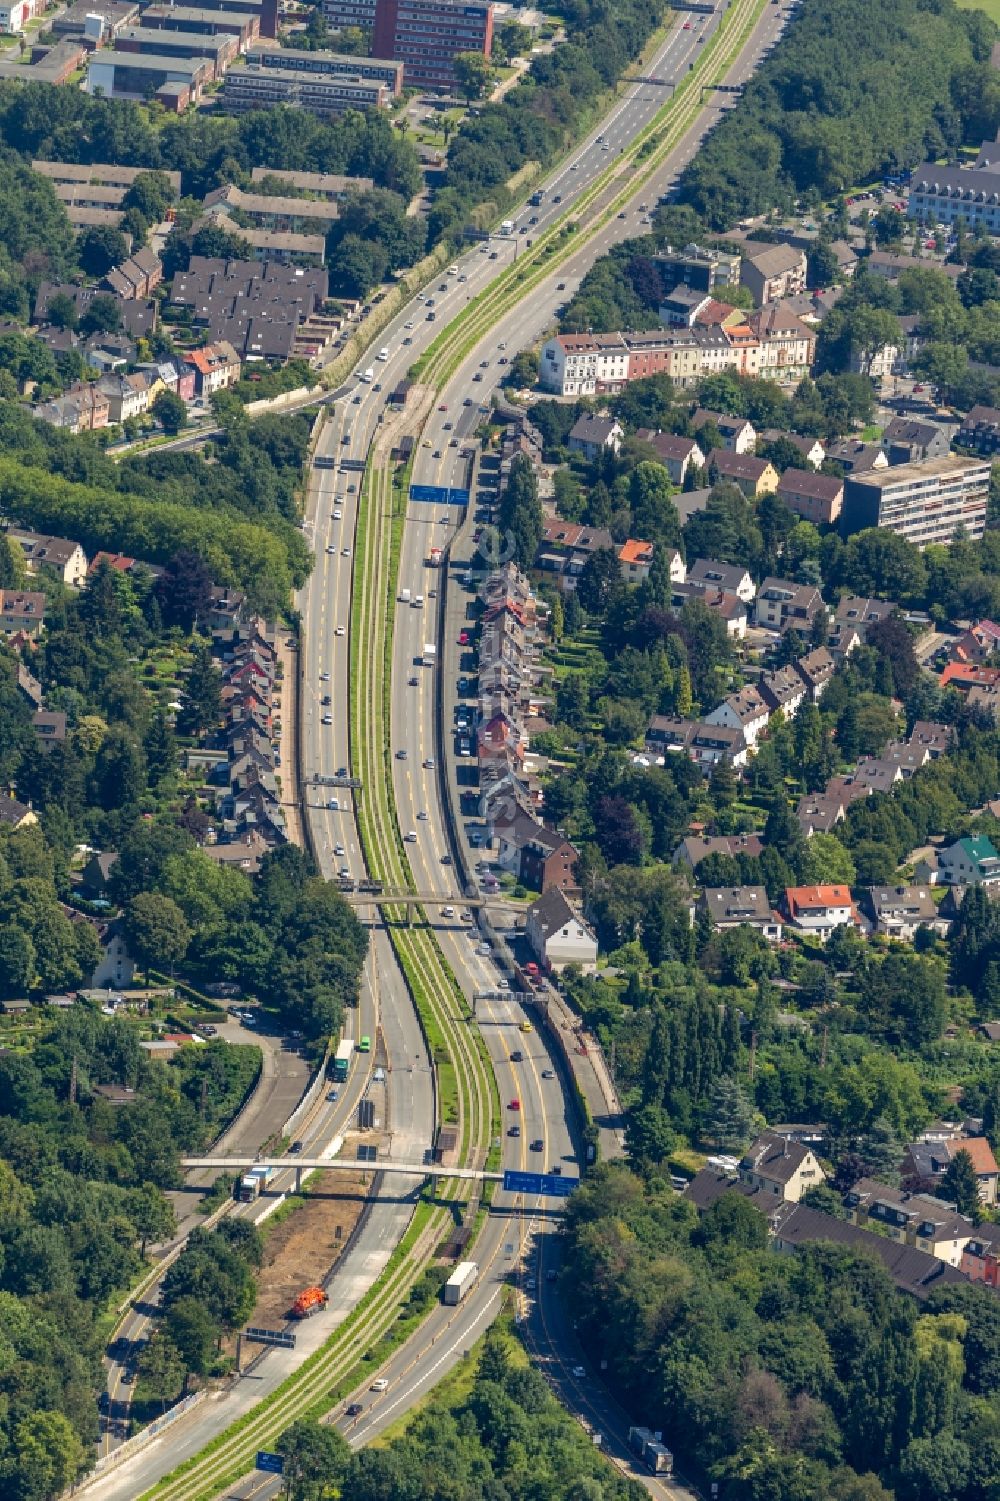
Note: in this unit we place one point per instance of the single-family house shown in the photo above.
(58, 556)
(14, 815)
(635, 559)
(693, 849)
(708, 744)
(593, 435)
(970, 861)
(22, 612)
(780, 1167)
(819, 813)
(754, 477)
(817, 910)
(739, 906)
(816, 669)
(815, 497)
(781, 604)
(746, 711)
(737, 434)
(901, 911)
(557, 934)
(728, 578)
(784, 690)
(676, 454)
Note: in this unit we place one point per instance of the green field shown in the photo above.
(991, 7)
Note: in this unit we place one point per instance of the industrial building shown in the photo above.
(243, 25)
(175, 81)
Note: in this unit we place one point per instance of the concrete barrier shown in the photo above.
(109, 1462)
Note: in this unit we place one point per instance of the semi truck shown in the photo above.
(437, 555)
(342, 1060)
(650, 1448)
(309, 1301)
(458, 1284)
(251, 1185)
(430, 653)
(506, 226)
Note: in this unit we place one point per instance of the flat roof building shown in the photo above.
(925, 502)
(321, 94)
(243, 25)
(381, 69)
(130, 75)
(217, 50)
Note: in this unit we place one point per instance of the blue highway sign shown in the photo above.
(548, 1184)
(272, 1463)
(439, 495)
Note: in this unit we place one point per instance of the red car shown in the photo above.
(443, 407)
(463, 638)
(515, 1104)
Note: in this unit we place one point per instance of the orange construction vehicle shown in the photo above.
(308, 1302)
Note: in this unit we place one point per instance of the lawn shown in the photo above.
(991, 7)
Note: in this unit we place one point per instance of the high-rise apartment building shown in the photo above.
(425, 35)
(924, 502)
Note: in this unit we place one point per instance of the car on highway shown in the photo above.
(401, 755)
(422, 816)
(514, 1131)
(345, 871)
(296, 1146)
(430, 764)
(340, 631)
(345, 552)
(517, 1056)
(579, 1372)
(465, 916)
(334, 804)
(526, 1027)
(548, 1073)
(443, 407)
(484, 949)
(515, 1104)
(353, 1409)
(538, 1145)
(445, 859)
(381, 1385)
(338, 850)
(463, 638)
(447, 912)
(338, 514)
(331, 547)
(328, 719)
(414, 680)
(411, 836)
(326, 699)
(324, 677)
(503, 984)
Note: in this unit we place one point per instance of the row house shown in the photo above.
(216, 367)
(914, 1218)
(745, 711)
(80, 409)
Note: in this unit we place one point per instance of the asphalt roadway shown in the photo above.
(518, 1245)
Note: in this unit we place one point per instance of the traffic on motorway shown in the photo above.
(516, 1244)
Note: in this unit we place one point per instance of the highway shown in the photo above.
(516, 1246)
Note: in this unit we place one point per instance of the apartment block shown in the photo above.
(425, 35)
(943, 195)
(925, 502)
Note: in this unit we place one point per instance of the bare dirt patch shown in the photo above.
(300, 1250)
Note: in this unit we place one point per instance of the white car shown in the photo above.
(381, 1385)
(447, 912)
(324, 677)
(411, 837)
(421, 816)
(338, 514)
(503, 985)
(328, 719)
(338, 850)
(334, 803)
(330, 547)
(340, 631)
(345, 552)
(430, 764)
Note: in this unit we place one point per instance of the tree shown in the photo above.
(48, 1455)
(472, 73)
(163, 1368)
(316, 1458)
(60, 311)
(152, 1214)
(192, 1330)
(649, 1136)
(100, 248)
(598, 578)
(520, 513)
(203, 693)
(170, 411)
(156, 930)
(729, 1115)
(17, 962)
(103, 315)
(184, 592)
(960, 1186)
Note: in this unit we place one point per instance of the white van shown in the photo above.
(369, 375)
(383, 353)
(404, 596)
(418, 601)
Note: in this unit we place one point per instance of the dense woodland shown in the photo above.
(81, 1182)
(235, 505)
(783, 1378)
